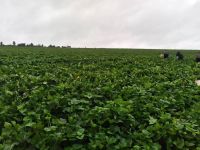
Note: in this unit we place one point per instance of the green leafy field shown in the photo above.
(54, 99)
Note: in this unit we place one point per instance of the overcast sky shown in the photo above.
(102, 23)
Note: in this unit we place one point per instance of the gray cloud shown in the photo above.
(102, 23)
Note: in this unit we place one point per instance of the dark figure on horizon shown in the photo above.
(165, 54)
(179, 56)
(198, 58)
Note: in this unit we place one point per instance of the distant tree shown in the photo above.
(1, 43)
(40, 45)
(14, 43)
(51, 46)
(30, 45)
(21, 44)
(66, 47)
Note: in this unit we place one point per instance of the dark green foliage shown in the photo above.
(54, 99)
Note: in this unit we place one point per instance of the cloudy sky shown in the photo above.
(102, 23)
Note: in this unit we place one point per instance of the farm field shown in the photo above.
(71, 99)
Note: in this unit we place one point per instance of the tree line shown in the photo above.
(32, 45)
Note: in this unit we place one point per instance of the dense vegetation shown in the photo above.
(53, 99)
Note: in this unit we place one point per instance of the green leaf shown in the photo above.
(179, 143)
(30, 124)
(51, 128)
(152, 120)
(80, 133)
(7, 125)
